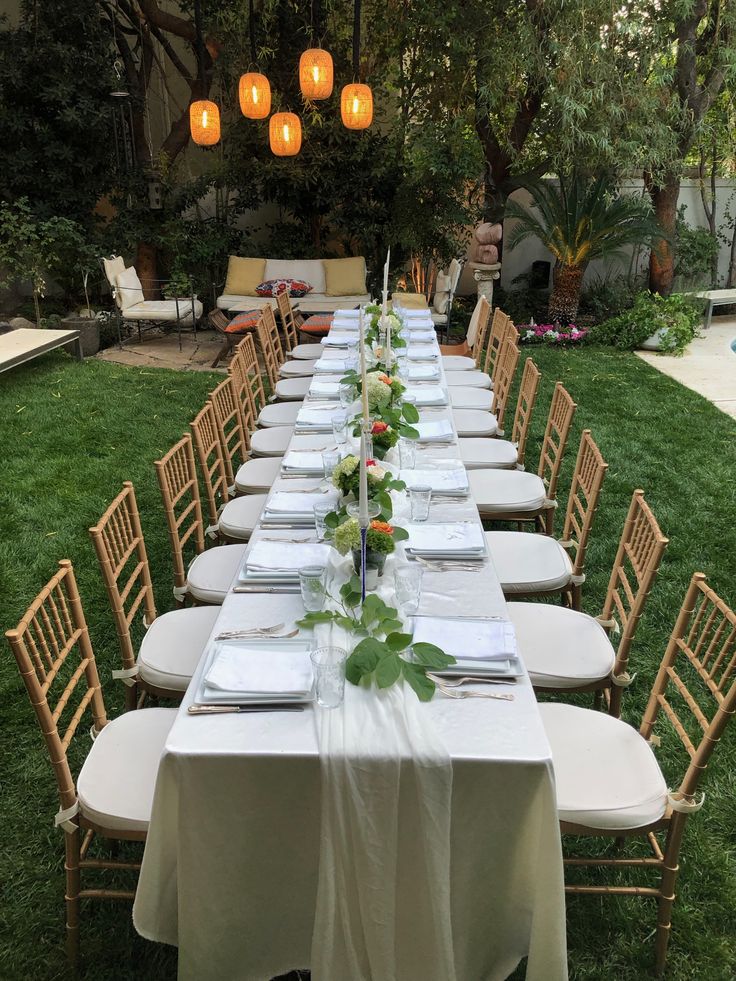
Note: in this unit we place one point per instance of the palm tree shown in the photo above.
(581, 220)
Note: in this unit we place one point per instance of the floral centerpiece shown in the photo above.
(380, 541)
(384, 437)
(346, 477)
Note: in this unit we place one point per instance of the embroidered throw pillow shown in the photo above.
(294, 287)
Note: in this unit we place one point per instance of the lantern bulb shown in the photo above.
(254, 91)
(204, 119)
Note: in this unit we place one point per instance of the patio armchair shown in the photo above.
(445, 288)
(131, 307)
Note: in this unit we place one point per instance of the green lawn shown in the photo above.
(70, 435)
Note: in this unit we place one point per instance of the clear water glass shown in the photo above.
(330, 459)
(321, 510)
(408, 585)
(328, 666)
(347, 394)
(419, 499)
(312, 584)
(407, 454)
(340, 428)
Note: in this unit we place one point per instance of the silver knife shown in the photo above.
(199, 709)
(266, 589)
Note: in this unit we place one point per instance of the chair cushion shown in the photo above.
(606, 774)
(318, 324)
(240, 516)
(306, 352)
(528, 563)
(479, 453)
(113, 267)
(297, 368)
(473, 422)
(441, 297)
(243, 323)
(561, 648)
(271, 442)
(211, 574)
(468, 379)
(129, 289)
(294, 287)
(471, 398)
(173, 645)
(499, 491)
(292, 389)
(310, 270)
(165, 311)
(116, 783)
(279, 414)
(412, 301)
(258, 475)
(458, 362)
(344, 277)
(243, 276)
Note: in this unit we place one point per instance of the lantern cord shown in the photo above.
(252, 31)
(356, 40)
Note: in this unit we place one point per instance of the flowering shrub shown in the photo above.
(551, 334)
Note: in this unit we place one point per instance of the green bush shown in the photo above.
(607, 296)
(677, 316)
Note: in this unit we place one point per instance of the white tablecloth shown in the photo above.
(231, 864)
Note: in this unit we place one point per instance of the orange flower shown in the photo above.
(383, 526)
(379, 427)
(384, 378)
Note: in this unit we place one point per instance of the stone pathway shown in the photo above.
(159, 350)
(708, 366)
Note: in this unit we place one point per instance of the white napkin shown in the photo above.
(423, 372)
(447, 537)
(418, 313)
(276, 671)
(324, 390)
(431, 395)
(422, 352)
(419, 334)
(351, 314)
(303, 462)
(286, 556)
(346, 323)
(431, 431)
(316, 418)
(438, 480)
(468, 640)
(330, 366)
(284, 503)
(336, 339)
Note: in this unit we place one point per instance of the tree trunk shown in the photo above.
(662, 258)
(146, 265)
(731, 278)
(565, 297)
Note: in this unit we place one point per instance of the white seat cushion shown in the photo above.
(292, 389)
(306, 352)
(468, 379)
(297, 369)
(211, 574)
(479, 453)
(457, 362)
(606, 774)
(258, 475)
(279, 414)
(173, 645)
(116, 783)
(164, 310)
(271, 442)
(471, 398)
(507, 491)
(561, 648)
(528, 563)
(240, 516)
(311, 303)
(473, 422)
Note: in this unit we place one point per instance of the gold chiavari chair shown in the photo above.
(461, 357)
(477, 422)
(538, 565)
(269, 343)
(291, 321)
(609, 783)
(514, 495)
(505, 454)
(234, 519)
(244, 474)
(202, 576)
(489, 332)
(173, 643)
(245, 373)
(111, 797)
(565, 650)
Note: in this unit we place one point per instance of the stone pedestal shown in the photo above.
(485, 275)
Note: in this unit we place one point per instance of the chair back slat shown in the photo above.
(211, 461)
(582, 504)
(694, 688)
(230, 427)
(269, 344)
(528, 389)
(52, 648)
(121, 553)
(288, 319)
(177, 479)
(507, 364)
(556, 433)
(490, 342)
(246, 374)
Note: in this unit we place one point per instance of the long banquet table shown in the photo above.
(232, 861)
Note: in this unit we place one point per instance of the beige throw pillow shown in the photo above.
(345, 277)
(243, 275)
(441, 293)
(129, 289)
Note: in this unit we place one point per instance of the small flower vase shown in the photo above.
(374, 565)
(379, 452)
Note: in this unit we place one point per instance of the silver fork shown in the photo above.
(454, 693)
(247, 631)
(458, 682)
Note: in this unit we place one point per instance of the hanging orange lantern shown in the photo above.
(356, 106)
(316, 74)
(254, 92)
(285, 134)
(204, 122)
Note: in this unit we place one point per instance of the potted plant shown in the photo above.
(654, 322)
(380, 542)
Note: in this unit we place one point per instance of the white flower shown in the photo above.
(375, 471)
(529, 335)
